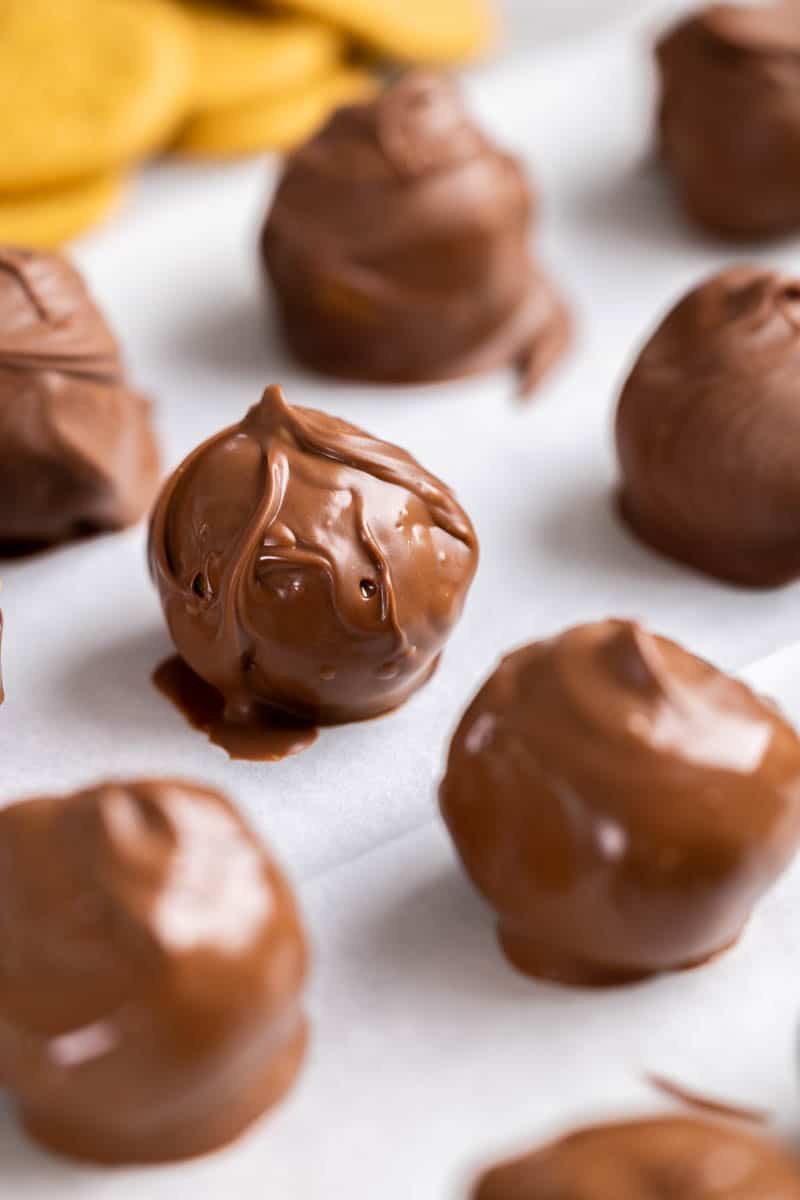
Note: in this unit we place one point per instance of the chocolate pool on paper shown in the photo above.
(309, 574)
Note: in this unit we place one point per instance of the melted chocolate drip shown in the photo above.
(308, 568)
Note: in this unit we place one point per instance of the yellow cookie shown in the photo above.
(49, 218)
(240, 57)
(423, 31)
(87, 85)
(274, 124)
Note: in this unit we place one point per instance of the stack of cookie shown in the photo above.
(89, 88)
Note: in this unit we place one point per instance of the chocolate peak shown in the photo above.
(422, 126)
(308, 567)
(634, 658)
(621, 804)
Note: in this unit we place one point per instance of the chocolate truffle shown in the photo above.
(308, 567)
(620, 803)
(398, 247)
(667, 1158)
(151, 962)
(730, 117)
(77, 453)
(708, 430)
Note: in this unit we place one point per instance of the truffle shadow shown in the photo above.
(638, 204)
(26, 1167)
(441, 935)
(237, 337)
(588, 529)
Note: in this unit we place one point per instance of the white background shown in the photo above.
(429, 1054)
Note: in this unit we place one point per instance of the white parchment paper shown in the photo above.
(429, 1054)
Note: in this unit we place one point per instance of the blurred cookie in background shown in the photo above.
(87, 87)
(412, 31)
(261, 82)
(277, 122)
(240, 56)
(49, 217)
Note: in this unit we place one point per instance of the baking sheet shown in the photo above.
(429, 1053)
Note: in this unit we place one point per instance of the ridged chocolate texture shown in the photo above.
(151, 962)
(77, 452)
(309, 567)
(708, 430)
(667, 1158)
(620, 803)
(397, 244)
(730, 117)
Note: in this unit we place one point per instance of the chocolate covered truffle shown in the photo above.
(398, 247)
(77, 453)
(620, 803)
(309, 568)
(667, 1158)
(730, 117)
(708, 430)
(151, 963)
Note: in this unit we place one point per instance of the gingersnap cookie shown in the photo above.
(48, 218)
(87, 86)
(275, 123)
(423, 31)
(240, 56)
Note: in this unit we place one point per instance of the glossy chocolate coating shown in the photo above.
(620, 803)
(730, 117)
(309, 567)
(151, 962)
(77, 452)
(398, 247)
(667, 1158)
(708, 430)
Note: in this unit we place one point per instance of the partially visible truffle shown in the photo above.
(708, 430)
(620, 803)
(730, 117)
(397, 244)
(151, 963)
(308, 567)
(667, 1158)
(77, 451)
